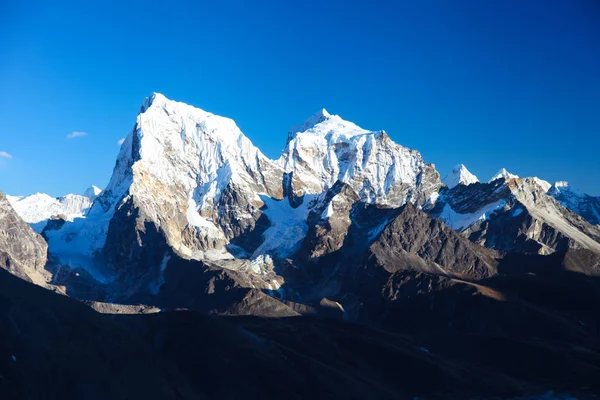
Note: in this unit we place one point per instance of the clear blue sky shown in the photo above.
(490, 84)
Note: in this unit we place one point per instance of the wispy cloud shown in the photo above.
(76, 134)
(4, 154)
(120, 141)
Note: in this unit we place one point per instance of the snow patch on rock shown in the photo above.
(288, 225)
(460, 222)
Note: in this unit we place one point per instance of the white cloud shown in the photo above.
(120, 141)
(5, 154)
(76, 134)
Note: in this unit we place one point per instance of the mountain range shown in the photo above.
(345, 225)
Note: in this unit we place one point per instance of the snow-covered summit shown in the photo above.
(324, 124)
(326, 149)
(503, 173)
(459, 175)
(313, 120)
(174, 144)
(155, 98)
(92, 192)
(564, 186)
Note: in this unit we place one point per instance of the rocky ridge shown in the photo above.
(514, 215)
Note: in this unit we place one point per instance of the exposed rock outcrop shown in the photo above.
(22, 251)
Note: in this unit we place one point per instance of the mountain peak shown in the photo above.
(329, 126)
(194, 156)
(322, 113)
(315, 119)
(92, 192)
(503, 173)
(154, 98)
(459, 175)
(327, 148)
(564, 186)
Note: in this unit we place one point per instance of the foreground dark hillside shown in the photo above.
(54, 347)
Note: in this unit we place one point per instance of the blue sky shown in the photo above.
(490, 84)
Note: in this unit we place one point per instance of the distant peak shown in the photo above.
(321, 114)
(504, 174)
(564, 186)
(460, 175)
(458, 168)
(92, 192)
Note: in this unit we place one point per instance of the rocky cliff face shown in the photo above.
(22, 251)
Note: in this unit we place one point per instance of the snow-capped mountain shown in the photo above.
(504, 174)
(38, 208)
(345, 224)
(185, 159)
(200, 183)
(188, 188)
(585, 205)
(186, 183)
(459, 175)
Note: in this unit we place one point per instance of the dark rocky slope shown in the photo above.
(342, 255)
(55, 347)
